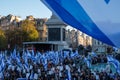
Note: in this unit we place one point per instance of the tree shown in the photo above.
(14, 37)
(29, 31)
(2, 39)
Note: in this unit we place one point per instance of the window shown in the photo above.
(54, 34)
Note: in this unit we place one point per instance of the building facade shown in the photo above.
(99, 47)
(42, 28)
(83, 39)
(75, 38)
(9, 22)
(56, 33)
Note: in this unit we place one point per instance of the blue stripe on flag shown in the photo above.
(71, 12)
(107, 1)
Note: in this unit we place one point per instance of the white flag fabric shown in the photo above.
(97, 18)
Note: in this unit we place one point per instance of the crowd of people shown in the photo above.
(52, 65)
(101, 58)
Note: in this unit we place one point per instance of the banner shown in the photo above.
(97, 18)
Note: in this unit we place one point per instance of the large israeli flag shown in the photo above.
(97, 18)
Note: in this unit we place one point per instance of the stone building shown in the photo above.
(9, 22)
(83, 39)
(42, 28)
(75, 38)
(56, 33)
(99, 47)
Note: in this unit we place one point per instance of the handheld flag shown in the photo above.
(97, 18)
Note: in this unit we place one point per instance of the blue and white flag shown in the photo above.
(13, 54)
(97, 18)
